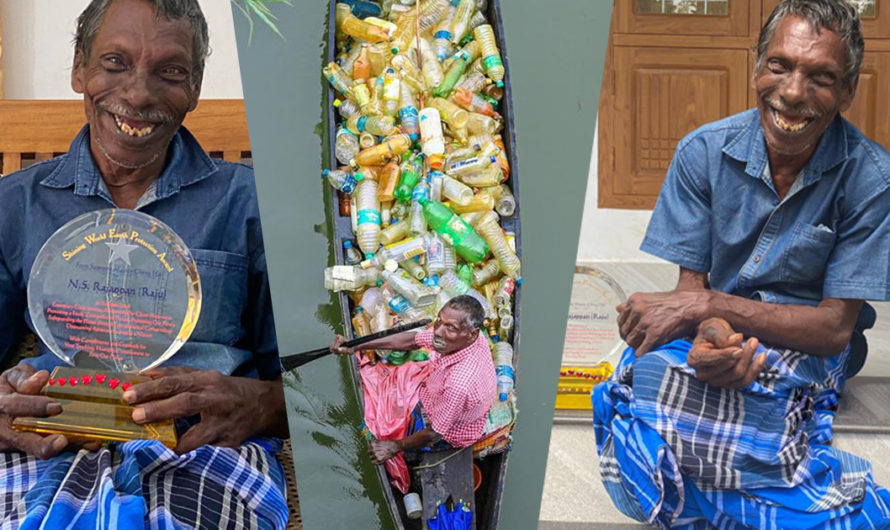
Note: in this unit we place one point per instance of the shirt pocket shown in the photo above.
(806, 255)
(223, 296)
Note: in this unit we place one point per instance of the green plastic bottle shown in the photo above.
(410, 178)
(455, 231)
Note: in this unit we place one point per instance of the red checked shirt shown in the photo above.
(459, 390)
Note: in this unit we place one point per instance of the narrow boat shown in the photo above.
(493, 464)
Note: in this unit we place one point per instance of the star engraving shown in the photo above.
(120, 249)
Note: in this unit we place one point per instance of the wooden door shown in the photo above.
(674, 65)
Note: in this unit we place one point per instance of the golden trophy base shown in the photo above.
(93, 409)
(577, 382)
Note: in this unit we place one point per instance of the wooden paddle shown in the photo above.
(292, 361)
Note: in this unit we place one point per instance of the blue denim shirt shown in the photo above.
(719, 213)
(211, 204)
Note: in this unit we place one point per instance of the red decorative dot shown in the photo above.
(100, 378)
(114, 382)
(51, 382)
(72, 380)
(125, 386)
(61, 381)
(87, 379)
(571, 372)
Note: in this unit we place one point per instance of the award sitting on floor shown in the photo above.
(113, 293)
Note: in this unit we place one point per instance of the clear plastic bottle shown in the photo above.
(489, 177)
(472, 102)
(413, 268)
(380, 57)
(442, 35)
(361, 66)
(468, 166)
(503, 294)
(461, 20)
(367, 216)
(421, 192)
(361, 30)
(506, 204)
(398, 251)
(346, 108)
(449, 256)
(429, 65)
(366, 140)
(408, 112)
(346, 145)
(472, 81)
(395, 232)
(481, 124)
(493, 235)
(436, 181)
(456, 191)
(351, 255)
(402, 307)
(349, 277)
(491, 57)
(360, 324)
(431, 12)
(505, 327)
(477, 20)
(503, 365)
(451, 283)
(385, 25)
(451, 114)
(488, 272)
(382, 153)
(392, 89)
(417, 294)
(340, 80)
(377, 125)
(411, 75)
(435, 254)
(433, 141)
(341, 179)
(375, 105)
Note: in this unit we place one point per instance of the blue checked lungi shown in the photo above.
(679, 453)
(143, 484)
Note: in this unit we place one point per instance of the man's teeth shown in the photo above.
(132, 131)
(788, 126)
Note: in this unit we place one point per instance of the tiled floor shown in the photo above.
(574, 497)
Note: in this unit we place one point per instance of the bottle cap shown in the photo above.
(337, 102)
(391, 265)
(503, 396)
(325, 173)
(347, 244)
(358, 176)
(500, 84)
(519, 280)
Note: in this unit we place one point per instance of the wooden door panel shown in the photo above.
(871, 106)
(660, 96)
(629, 20)
(875, 22)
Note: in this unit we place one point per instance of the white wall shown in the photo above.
(37, 49)
(608, 234)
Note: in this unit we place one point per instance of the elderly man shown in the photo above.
(779, 218)
(139, 65)
(451, 394)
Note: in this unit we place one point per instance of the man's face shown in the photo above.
(800, 86)
(137, 84)
(451, 332)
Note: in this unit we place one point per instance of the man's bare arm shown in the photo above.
(650, 319)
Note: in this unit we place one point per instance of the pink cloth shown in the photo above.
(459, 390)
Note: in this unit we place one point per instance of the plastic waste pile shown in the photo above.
(422, 167)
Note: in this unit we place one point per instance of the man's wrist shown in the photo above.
(273, 412)
(701, 308)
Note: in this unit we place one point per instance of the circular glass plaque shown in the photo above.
(114, 289)
(592, 329)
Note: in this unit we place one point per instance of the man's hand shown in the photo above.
(721, 359)
(19, 388)
(383, 450)
(232, 409)
(648, 320)
(338, 348)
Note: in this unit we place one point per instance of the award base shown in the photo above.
(93, 409)
(577, 382)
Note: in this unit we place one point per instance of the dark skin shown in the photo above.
(800, 89)
(140, 73)
(451, 333)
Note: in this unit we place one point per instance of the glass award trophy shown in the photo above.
(112, 293)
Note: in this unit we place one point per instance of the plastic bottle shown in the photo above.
(402, 307)
(473, 102)
(436, 181)
(490, 231)
(451, 283)
(375, 105)
(421, 192)
(394, 232)
(411, 75)
(385, 25)
(408, 112)
(455, 231)
(433, 141)
(341, 180)
(377, 125)
(361, 67)
(349, 278)
(410, 177)
(398, 251)
(346, 145)
(489, 271)
(505, 327)
(351, 255)
(491, 57)
(387, 180)
(456, 191)
(405, 32)
(461, 20)
(417, 294)
(471, 165)
(361, 94)
(361, 30)
(429, 65)
(346, 108)
(503, 355)
(367, 216)
(431, 12)
(451, 114)
(503, 293)
(477, 19)
(472, 81)
(367, 140)
(380, 57)
(452, 75)
(360, 324)
(435, 254)
(481, 124)
(380, 154)
(392, 90)
(506, 204)
(442, 35)
(488, 177)
(413, 268)
(449, 256)
(340, 80)
(400, 210)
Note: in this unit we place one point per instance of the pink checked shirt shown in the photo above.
(459, 390)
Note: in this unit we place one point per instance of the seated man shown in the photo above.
(139, 66)
(449, 397)
(779, 218)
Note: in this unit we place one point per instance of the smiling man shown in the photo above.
(779, 219)
(139, 65)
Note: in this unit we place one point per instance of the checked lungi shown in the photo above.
(142, 484)
(680, 453)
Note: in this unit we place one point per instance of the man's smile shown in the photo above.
(133, 127)
(790, 122)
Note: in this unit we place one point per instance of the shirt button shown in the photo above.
(756, 259)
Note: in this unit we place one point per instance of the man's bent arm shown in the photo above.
(399, 342)
(822, 330)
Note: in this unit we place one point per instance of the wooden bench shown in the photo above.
(35, 130)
